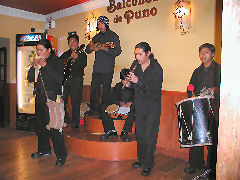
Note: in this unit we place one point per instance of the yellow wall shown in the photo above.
(178, 54)
(10, 26)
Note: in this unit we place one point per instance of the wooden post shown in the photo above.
(228, 165)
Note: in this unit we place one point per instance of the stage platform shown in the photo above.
(85, 141)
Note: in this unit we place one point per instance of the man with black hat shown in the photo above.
(106, 45)
(75, 60)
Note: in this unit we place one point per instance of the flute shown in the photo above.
(127, 80)
(37, 67)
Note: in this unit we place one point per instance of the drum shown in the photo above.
(112, 110)
(123, 111)
(195, 120)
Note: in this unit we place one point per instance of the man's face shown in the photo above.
(141, 56)
(42, 51)
(101, 26)
(206, 55)
(73, 43)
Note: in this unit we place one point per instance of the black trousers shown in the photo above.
(73, 88)
(147, 127)
(196, 157)
(44, 135)
(98, 79)
(108, 123)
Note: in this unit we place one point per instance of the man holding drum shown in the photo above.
(123, 97)
(206, 76)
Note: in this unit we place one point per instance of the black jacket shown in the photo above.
(206, 77)
(77, 69)
(148, 89)
(105, 61)
(52, 75)
(118, 94)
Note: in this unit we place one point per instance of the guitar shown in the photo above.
(68, 64)
(107, 44)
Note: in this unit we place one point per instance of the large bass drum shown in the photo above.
(196, 122)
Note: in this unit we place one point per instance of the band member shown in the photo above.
(207, 75)
(106, 45)
(75, 60)
(51, 75)
(146, 79)
(123, 97)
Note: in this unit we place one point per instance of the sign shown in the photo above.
(130, 14)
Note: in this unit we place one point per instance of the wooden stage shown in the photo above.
(15, 162)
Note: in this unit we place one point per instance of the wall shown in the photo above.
(10, 26)
(177, 54)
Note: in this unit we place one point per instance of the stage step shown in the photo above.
(93, 124)
(85, 144)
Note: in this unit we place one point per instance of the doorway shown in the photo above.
(4, 101)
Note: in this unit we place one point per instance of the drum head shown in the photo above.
(124, 110)
(112, 108)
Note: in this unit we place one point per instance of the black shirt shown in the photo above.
(205, 77)
(105, 61)
(77, 68)
(121, 94)
(52, 76)
(148, 89)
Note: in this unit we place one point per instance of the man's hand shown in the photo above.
(132, 77)
(42, 62)
(35, 62)
(128, 104)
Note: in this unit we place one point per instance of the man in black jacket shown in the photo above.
(146, 79)
(48, 85)
(75, 60)
(207, 75)
(106, 45)
(123, 97)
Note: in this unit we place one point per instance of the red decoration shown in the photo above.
(190, 87)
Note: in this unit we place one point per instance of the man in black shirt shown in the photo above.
(207, 75)
(146, 79)
(123, 97)
(75, 60)
(106, 45)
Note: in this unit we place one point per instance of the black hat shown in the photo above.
(73, 35)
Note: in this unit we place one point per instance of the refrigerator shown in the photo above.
(25, 53)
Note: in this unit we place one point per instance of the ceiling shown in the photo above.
(43, 7)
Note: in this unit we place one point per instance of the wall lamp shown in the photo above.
(90, 27)
(183, 16)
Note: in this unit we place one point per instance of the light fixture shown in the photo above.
(90, 28)
(183, 15)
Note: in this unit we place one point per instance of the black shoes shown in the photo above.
(74, 127)
(146, 172)
(40, 154)
(125, 137)
(60, 161)
(191, 170)
(109, 134)
(137, 165)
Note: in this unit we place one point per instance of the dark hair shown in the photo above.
(146, 47)
(123, 74)
(207, 45)
(46, 44)
(104, 20)
(107, 27)
(73, 36)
